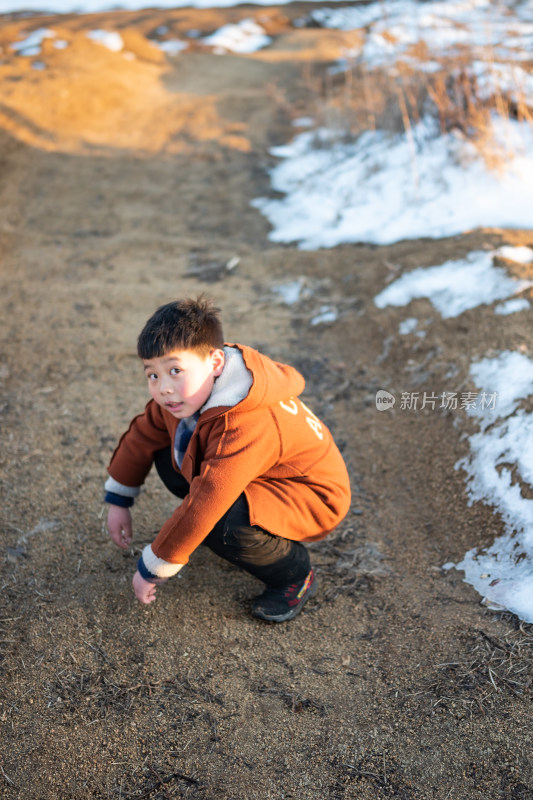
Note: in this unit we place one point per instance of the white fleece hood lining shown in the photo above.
(233, 384)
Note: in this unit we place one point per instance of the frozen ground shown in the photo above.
(500, 463)
(382, 189)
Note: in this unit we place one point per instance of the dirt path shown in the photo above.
(125, 182)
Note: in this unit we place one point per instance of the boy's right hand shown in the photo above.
(119, 526)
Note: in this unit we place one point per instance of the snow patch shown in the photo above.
(512, 306)
(110, 39)
(455, 286)
(378, 190)
(31, 45)
(244, 37)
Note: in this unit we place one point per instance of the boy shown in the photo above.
(257, 471)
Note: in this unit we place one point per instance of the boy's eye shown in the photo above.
(175, 370)
(152, 376)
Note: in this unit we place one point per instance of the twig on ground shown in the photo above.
(7, 778)
(160, 780)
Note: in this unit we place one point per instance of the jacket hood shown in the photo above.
(251, 379)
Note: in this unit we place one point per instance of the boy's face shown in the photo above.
(181, 381)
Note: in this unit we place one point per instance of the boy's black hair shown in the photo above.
(190, 324)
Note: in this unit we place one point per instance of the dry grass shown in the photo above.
(459, 95)
(493, 667)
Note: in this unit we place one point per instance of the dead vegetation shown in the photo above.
(349, 564)
(459, 94)
(490, 668)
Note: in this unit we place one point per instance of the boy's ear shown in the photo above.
(218, 360)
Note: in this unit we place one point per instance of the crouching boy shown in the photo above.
(259, 474)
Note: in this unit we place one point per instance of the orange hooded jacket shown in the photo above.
(268, 445)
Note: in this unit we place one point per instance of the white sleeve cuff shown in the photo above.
(157, 566)
(111, 485)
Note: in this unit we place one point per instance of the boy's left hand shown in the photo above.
(144, 590)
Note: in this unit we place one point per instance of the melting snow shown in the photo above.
(170, 46)
(455, 286)
(379, 190)
(512, 306)
(500, 463)
(408, 326)
(110, 39)
(244, 37)
(499, 466)
(31, 45)
(393, 28)
(326, 315)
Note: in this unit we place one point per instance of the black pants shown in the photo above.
(276, 561)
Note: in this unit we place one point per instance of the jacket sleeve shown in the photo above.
(233, 459)
(134, 454)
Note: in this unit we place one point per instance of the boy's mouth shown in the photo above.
(173, 406)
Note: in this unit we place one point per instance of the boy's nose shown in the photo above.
(166, 386)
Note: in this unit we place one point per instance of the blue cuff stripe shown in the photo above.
(118, 500)
(145, 572)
